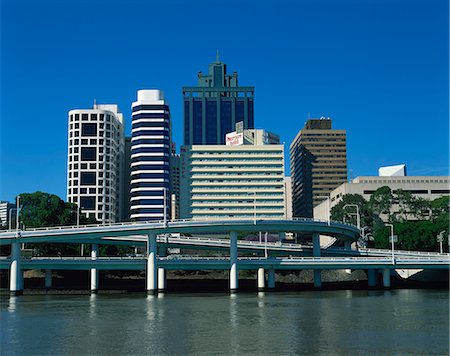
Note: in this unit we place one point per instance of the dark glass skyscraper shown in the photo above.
(212, 108)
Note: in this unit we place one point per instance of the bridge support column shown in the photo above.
(234, 283)
(162, 280)
(316, 253)
(316, 244)
(386, 278)
(271, 279)
(15, 272)
(347, 245)
(94, 271)
(48, 278)
(371, 277)
(317, 278)
(152, 282)
(261, 279)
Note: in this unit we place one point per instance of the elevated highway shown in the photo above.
(161, 234)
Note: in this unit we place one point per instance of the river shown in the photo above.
(400, 322)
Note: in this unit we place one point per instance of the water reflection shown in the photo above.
(93, 306)
(12, 305)
(329, 322)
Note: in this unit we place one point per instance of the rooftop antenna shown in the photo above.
(217, 57)
(309, 116)
(95, 103)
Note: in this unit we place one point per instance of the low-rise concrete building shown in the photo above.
(428, 187)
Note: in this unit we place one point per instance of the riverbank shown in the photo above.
(77, 282)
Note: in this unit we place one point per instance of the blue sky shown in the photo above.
(379, 69)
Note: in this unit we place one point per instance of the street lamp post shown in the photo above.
(440, 239)
(392, 239)
(358, 216)
(365, 238)
(10, 216)
(17, 212)
(265, 245)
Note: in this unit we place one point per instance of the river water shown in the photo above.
(397, 322)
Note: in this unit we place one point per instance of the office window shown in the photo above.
(87, 203)
(88, 178)
(89, 129)
(88, 153)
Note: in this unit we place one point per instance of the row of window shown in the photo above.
(102, 133)
(92, 142)
(90, 165)
(107, 183)
(241, 208)
(240, 152)
(85, 199)
(93, 117)
(90, 129)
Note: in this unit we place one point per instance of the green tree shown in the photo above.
(338, 213)
(381, 201)
(41, 209)
(405, 201)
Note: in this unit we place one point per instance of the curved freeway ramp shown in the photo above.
(88, 233)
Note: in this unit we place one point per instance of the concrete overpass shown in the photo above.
(158, 234)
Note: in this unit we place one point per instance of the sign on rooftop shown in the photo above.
(240, 126)
(234, 139)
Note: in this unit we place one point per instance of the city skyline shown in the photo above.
(379, 69)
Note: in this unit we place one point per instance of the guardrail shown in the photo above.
(174, 222)
(445, 259)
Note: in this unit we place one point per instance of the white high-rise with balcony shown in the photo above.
(95, 160)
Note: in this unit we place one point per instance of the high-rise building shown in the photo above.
(212, 108)
(175, 169)
(95, 162)
(232, 181)
(126, 180)
(150, 157)
(318, 156)
(7, 214)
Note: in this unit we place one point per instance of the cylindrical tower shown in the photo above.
(150, 157)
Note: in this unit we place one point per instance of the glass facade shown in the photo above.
(212, 109)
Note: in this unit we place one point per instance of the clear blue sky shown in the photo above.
(379, 69)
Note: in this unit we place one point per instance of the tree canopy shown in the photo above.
(417, 222)
(41, 209)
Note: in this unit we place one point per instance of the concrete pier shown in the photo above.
(48, 279)
(15, 279)
(261, 277)
(162, 279)
(372, 277)
(317, 278)
(271, 279)
(152, 282)
(316, 253)
(94, 271)
(234, 283)
(386, 278)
